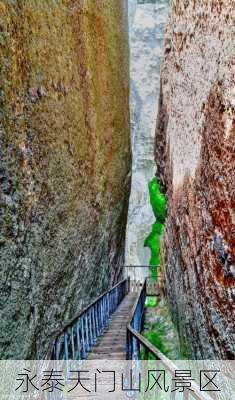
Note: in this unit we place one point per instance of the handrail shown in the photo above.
(79, 335)
(135, 340)
(134, 308)
(71, 322)
(135, 324)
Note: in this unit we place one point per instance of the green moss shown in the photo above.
(157, 200)
(151, 301)
(159, 205)
(161, 332)
(153, 242)
(156, 337)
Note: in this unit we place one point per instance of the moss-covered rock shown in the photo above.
(158, 202)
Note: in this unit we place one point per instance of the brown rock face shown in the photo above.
(196, 167)
(64, 162)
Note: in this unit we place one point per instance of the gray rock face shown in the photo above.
(146, 24)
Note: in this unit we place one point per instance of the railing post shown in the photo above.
(105, 311)
(93, 324)
(131, 346)
(54, 352)
(72, 343)
(78, 341)
(128, 285)
(90, 327)
(105, 319)
(127, 345)
(96, 319)
(102, 314)
(135, 352)
(87, 332)
(108, 304)
(112, 301)
(83, 338)
(66, 353)
(80, 335)
(116, 295)
(128, 352)
(57, 349)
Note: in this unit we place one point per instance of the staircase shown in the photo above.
(110, 329)
(112, 344)
(79, 337)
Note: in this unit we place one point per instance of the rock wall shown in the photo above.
(65, 159)
(147, 24)
(196, 167)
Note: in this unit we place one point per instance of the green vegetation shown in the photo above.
(156, 336)
(159, 329)
(151, 301)
(157, 200)
(159, 205)
(161, 332)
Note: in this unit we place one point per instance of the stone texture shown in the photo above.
(196, 167)
(65, 159)
(132, 5)
(147, 23)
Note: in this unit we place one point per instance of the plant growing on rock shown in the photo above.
(159, 205)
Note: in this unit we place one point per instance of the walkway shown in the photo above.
(112, 344)
(110, 329)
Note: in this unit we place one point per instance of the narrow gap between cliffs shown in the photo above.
(148, 205)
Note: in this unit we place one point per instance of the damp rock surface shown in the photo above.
(196, 167)
(64, 163)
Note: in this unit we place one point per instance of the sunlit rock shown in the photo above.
(147, 23)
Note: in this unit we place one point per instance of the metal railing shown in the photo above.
(138, 345)
(79, 336)
(135, 325)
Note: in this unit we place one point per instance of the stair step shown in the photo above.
(109, 349)
(110, 356)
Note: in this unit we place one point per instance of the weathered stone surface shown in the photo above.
(147, 24)
(64, 163)
(196, 167)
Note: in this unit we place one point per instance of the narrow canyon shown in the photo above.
(99, 98)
